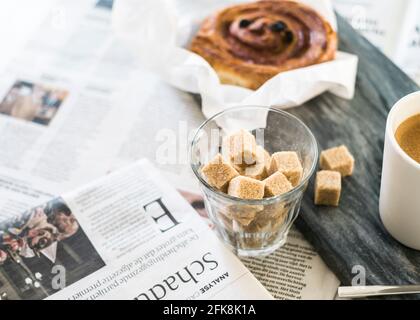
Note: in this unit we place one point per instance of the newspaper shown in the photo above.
(407, 55)
(77, 102)
(293, 272)
(126, 236)
(71, 111)
(393, 26)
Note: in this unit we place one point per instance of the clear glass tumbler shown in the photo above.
(271, 218)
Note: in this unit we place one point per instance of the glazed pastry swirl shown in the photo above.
(250, 43)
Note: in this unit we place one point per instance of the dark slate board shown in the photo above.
(352, 234)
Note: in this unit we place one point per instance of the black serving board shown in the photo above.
(352, 234)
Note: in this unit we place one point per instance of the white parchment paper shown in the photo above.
(158, 31)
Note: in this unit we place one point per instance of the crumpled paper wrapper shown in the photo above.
(159, 31)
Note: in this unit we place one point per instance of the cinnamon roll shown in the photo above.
(248, 44)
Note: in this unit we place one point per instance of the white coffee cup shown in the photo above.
(399, 202)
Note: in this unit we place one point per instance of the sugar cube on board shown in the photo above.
(337, 159)
(327, 188)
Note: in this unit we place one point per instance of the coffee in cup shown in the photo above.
(399, 200)
(408, 136)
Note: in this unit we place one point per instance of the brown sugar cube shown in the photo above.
(276, 184)
(219, 172)
(249, 236)
(257, 226)
(271, 218)
(327, 188)
(337, 159)
(244, 214)
(250, 241)
(278, 222)
(259, 169)
(288, 163)
(226, 221)
(246, 188)
(264, 228)
(276, 213)
(240, 148)
(267, 161)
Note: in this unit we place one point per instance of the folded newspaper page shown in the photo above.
(293, 272)
(129, 235)
(393, 26)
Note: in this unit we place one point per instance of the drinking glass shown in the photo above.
(271, 218)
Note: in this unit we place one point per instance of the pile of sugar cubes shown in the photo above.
(335, 163)
(247, 171)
